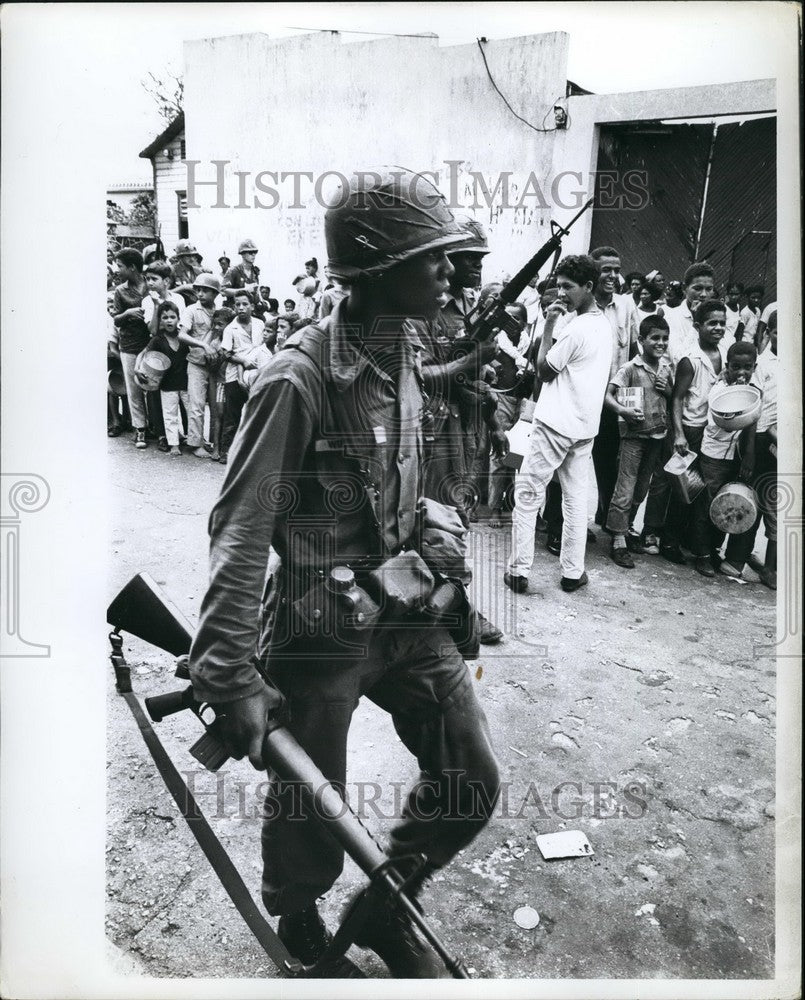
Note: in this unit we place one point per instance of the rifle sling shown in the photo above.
(212, 847)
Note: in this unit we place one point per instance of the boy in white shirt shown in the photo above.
(157, 277)
(750, 314)
(729, 455)
(574, 372)
(242, 334)
(699, 286)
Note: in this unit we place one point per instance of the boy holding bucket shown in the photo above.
(173, 386)
(696, 374)
(728, 454)
(638, 393)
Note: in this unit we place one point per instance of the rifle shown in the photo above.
(493, 315)
(143, 610)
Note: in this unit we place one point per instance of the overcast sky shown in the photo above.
(623, 47)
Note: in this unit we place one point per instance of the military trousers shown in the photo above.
(418, 677)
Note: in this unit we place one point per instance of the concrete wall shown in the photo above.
(314, 103)
(576, 148)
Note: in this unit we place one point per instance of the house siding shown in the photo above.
(171, 177)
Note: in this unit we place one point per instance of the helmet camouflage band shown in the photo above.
(475, 240)
(384, 218)
(184, 248)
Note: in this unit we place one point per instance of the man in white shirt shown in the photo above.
(699, 286)
(750, 314)
(621, 313)
(761, 338)
(735, 329)
(574, 372)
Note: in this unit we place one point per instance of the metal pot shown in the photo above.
(734, 508)
(736, 406)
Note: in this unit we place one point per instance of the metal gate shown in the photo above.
(709, 194)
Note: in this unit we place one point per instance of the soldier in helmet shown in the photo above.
(186, 268)
(461, 405)
(244, 275)
(327, 468)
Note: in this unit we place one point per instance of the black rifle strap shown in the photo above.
(211, 846)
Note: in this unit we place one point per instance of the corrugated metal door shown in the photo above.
(735, 222)
(738, 233)
(661, 232)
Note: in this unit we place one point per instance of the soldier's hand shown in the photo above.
(500, 444)
(243, 724)
(485, 352)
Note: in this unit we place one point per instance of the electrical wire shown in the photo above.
(503, 96)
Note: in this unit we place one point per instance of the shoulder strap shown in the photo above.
(313, 341)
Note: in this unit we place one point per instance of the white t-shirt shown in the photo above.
(240, 340)
(716, 441)
(571, 403)
(766, 375)
(733, 319)
(149, 306)
(749, 319)
(682, 334)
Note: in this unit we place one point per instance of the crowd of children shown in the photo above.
(626, 372)
(670, 365)
(216, 332)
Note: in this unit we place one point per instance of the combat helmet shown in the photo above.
(475, 240)
(184, 248)
(207, 280)
(383, 218)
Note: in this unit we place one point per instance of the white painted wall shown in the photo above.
(314, 103)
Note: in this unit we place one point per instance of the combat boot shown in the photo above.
(306, 937)
(391, 935)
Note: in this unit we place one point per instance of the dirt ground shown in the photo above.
(637, 710)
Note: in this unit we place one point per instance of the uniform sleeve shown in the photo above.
(265, 463)
(233, 278)
(563, 351)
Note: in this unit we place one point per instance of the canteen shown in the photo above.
(735, 406)
(734, 508)
(151, 370)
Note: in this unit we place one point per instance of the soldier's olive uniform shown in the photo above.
(327, 468)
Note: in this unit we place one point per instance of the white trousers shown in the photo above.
(171, 414)
(198, 382)
(551, 452)
(139, 419)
